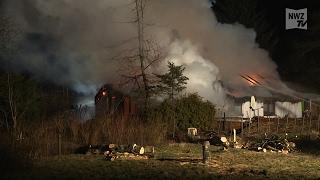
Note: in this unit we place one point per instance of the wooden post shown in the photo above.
(269, 129)
(59, 142)
(302, 127)
(287, 123)
(295, 123)
(219, 126)
(205, 151)
(234, 135)
(249, 132)
(219, 120)
(310, 122)
(278, 124)
(242, 127)
(174, 128)
(258, 126)
(249, 123)
(310, 105)
(224, 122)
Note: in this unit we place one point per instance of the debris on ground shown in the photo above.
(211, 136)
(111, 156)
(114, 151)
(128, 152)
(273, 143)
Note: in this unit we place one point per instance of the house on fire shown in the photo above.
(264, 101)
(109, 101)
(275, 106)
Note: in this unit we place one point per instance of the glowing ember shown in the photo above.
(251, 80)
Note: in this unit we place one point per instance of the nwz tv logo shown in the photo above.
(296, 18)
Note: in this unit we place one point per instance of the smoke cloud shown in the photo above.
(73, 42)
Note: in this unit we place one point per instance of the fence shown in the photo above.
(260, 125)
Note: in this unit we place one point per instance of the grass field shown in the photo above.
(178, 161)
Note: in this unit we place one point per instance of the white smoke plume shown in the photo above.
(82, 36)
(204, 76)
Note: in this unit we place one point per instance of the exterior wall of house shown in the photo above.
(247, 111)
(111, 102)
(281, 109)
(294, 110)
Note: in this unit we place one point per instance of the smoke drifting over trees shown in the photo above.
(75, 42)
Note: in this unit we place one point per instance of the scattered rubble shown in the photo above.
(114, 151)
(127, 152)
(111, 156)
(273, 143)
(210, 136)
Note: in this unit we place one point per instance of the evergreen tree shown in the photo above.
(172, 82)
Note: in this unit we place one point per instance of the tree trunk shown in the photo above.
(140, 17)
(13, 108)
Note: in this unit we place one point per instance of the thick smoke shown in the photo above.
(204, 76)
(227, 51)
(72, 42)
(75, 41)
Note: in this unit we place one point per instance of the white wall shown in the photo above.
(248, 113)
(294, 110)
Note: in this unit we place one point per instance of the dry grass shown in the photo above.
(240, 162)
(182, 161)
(125, 131)
(40, 140)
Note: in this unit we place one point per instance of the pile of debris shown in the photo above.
(274, 143)
(213, 137)
(114, 151)
(127, 152)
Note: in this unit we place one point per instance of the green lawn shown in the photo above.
(178, 161)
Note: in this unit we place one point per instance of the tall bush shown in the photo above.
(188, 111)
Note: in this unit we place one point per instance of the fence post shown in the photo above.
(287, 124)
(278, 123)
(302, 124)
(310, 123)
(219, 126)
(242, 127)
(269, 128)
(295, 124)
(249, 132)
(258, 125)
(224, 122)
(205, 151)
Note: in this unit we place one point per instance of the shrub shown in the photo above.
(187, 111)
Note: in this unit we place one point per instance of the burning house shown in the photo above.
(249, 107)
(109, 101)
(271, 104)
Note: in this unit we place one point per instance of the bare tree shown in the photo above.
(22, 96)
(12, 104)
(135, 66)
(8, 34)
(140, 5)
